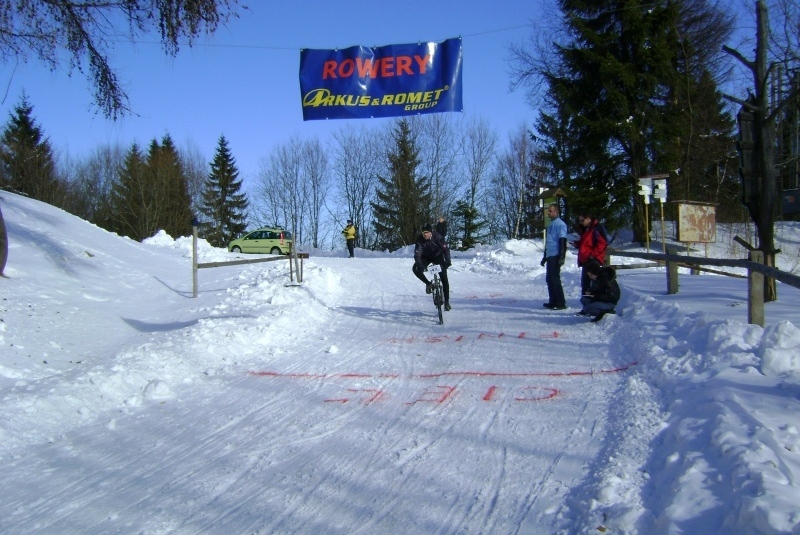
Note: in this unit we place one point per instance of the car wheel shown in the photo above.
(236, 249)
(276, 250)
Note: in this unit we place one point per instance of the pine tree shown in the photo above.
(26, 158)
(152, 193)
(615, 82)
(698, 141)
(49, 29)
(579, 161)
(615, 91)
(172, 203)
(466, 226)
(403, 199)
(223, 205)
(131, 198)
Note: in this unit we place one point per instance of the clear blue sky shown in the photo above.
(243, 81)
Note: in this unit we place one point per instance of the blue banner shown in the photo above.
(387, 81)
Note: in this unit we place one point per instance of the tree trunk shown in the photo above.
(641, 225)
(765, 134)
(3, 244)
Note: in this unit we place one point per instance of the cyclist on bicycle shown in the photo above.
(431, 249)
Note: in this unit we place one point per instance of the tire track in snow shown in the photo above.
(271, 456)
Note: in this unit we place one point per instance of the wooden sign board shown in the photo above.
(697, 222)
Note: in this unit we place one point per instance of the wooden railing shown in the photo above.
(293, 257)
(756, 271)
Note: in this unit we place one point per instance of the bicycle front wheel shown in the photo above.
(438, 297)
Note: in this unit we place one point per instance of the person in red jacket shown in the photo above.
(591, 245)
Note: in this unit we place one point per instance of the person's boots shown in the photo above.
(447, 305)
(428, 287)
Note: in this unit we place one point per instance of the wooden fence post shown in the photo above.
(672, 274)
(755, 291)
(194, 260)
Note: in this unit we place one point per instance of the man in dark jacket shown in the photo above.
(430, 248)
(603, 294)
(441, 227)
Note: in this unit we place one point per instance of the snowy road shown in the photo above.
(341, 406)
(358, 415)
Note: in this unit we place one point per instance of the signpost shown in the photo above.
(660, 193)
(646, 185)
(645, 190)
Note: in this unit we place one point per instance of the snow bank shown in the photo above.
(701, 441)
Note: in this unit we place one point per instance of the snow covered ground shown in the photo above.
(341, 406)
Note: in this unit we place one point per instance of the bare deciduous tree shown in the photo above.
(291, 188)
(195, 166)
(91, 183)
(276, 184)
(87, 30)
(317, 186)
(358, 159)
(507, 191)
(775, 70)
(441, 140)
(47, 28)
(479, 147)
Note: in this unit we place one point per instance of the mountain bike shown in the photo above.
(438, 291)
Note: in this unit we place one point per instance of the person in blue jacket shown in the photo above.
(555, 252)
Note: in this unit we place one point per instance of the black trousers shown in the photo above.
(351, 245)
(553, 278)
(585, 280)
(443, 275)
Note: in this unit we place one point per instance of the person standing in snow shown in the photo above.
(591, 245)
(555, 251)
(603, 294)
(441, 227)
(431, 248)
(350, 236)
